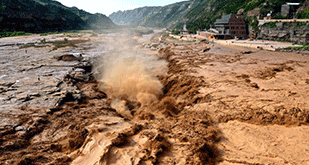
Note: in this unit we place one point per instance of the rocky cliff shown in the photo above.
(296, 32)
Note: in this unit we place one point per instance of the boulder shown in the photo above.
(70, 57)
(20, 128)
(240, 11)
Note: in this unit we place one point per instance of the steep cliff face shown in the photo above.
(296, 32)
(46, 15)
(132, 17)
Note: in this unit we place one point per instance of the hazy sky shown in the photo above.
(107, 7)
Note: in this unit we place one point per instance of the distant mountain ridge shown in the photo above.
(93, 21)
(132, 17)
(47, 15)
(152, 16)
(201, 14)
(171, 15)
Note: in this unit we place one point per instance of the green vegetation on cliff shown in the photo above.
(30, 16)
(201, 14)
(92, 21)
(38, 16)
(303, 14)
(204, 15)
(132, 17)
(4, 33)
(169, 15)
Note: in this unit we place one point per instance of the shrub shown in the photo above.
(303, 14)
(4, 33)
(176, 32)
(270, 24)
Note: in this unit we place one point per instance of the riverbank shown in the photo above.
(257, 44)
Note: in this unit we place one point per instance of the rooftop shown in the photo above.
(293, 4)
(224, 19)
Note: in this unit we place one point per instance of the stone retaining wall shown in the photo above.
(286, 31)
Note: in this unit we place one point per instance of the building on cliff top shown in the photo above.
(289, 9)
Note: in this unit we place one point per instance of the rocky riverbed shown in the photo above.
(123, 99)
(33, 70)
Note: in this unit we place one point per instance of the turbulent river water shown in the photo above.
(126, 98)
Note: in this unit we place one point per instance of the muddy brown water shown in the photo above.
(216, 107)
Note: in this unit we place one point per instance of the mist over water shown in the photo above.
(129, 73)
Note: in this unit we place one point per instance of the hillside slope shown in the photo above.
(201, 14)
(92, 21)
(29, 16)
(47, 15)
(170, 15)
(153, 16)
(132, 17)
